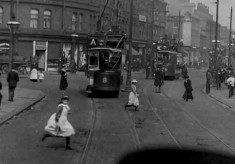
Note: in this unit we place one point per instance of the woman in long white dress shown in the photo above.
(34, 75)
(133, 96)
(58, 124)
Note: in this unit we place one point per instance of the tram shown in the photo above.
(168, 60)
(105, 64)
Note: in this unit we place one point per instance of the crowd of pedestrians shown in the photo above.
(221, 75)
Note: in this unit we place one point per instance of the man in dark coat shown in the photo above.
(12, 79)
(63, 79)
(158, 79)
(209, 79)
(148, 67)
(188, 89)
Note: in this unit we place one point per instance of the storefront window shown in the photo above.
(33, 18)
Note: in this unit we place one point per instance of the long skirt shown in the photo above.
(133, 99)
(34, 75)
(188, 95)
(61, 128)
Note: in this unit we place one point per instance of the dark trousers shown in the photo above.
(208, 87)
(11, 93)
(230, 90)
(147, 73)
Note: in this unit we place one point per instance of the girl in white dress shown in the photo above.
(133, 96)
(58, 124)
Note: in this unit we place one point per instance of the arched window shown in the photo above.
(34, 18)
(47, 19)
(1, 15)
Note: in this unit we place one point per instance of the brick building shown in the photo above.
(47, 27)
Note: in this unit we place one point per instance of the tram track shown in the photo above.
(202, 126)
(194, 119)
(100, 105)
(91, 133)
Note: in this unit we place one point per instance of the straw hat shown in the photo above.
(134, 81)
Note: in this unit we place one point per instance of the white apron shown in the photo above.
(62, 127)
(133, 97)
(34, 74)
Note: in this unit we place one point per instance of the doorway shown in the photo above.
(40, 54)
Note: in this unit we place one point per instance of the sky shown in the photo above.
(224, 10)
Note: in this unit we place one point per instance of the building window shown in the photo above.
(91, 24)
(47, 19)
(34, 18)
(1, 15)
(74, 21)
(80, 28)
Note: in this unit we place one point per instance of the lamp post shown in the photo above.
(13, 27)
(128, 79)
(72, 61)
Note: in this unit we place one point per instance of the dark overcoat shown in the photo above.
(12, 79)
(158, 78)
(63, 80)
(188, 90)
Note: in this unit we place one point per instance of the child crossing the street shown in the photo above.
(40, 76)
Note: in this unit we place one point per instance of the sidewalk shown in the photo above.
(221, 95)
(23, 99)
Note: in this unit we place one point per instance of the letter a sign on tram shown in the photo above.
(93, 42)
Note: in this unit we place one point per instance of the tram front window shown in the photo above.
(104, 61)
(93, 61)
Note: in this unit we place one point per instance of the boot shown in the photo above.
(45, 136)
(68, 143)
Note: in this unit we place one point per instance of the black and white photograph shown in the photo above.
(117, 81)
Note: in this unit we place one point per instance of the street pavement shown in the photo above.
(221, 95)
(24, 99)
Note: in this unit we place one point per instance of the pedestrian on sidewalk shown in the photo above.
(40, 76)
(58, 124)
(209, 80)
(133, 96)
(12, 79)
(34, 75)
(158, 79)
(63, 79)
(230, 82)
(218, 79)
(188, 89)
(148, 67)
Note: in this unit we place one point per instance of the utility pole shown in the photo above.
(151, 40)
(12, 49)
(128, 79)
(230, 33)
(179, 28)
(216, 34)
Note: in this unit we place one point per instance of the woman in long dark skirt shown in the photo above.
(188, 89)
(63, 80)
